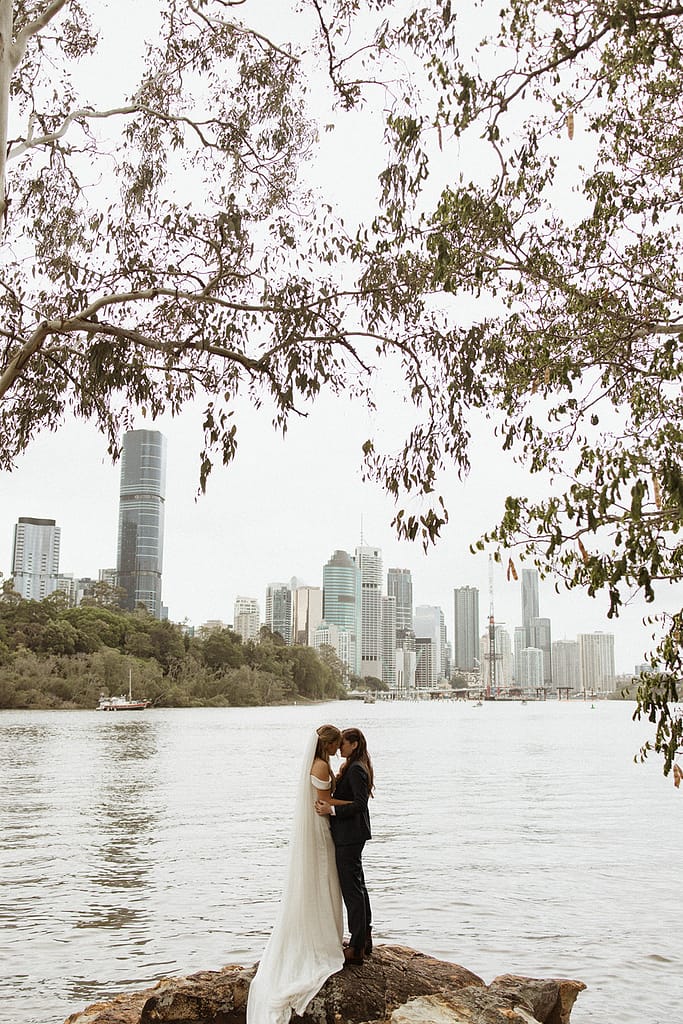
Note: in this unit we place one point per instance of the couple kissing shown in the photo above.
(330, 827)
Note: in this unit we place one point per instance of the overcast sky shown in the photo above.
(284, 506)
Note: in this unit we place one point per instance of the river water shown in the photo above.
(507, 838)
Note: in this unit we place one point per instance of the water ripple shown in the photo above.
(520, 840)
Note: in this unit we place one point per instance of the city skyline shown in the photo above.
(289, 611)
(251, 529)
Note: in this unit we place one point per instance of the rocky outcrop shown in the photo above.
(396, 985)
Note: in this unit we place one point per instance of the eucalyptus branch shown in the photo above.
(235, 26)
(33, 28)
(16, 365)
(88, 113)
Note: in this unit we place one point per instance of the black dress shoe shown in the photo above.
(351, 957)
(368, 943)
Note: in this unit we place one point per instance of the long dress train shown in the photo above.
(305, 946)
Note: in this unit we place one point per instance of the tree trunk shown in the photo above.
(6, 68)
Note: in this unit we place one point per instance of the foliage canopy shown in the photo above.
(524, 262)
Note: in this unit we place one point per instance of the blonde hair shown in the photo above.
(327, 734)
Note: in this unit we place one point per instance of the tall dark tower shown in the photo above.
(141, 519)
(400, 586)
(466, 628)
(529, 598)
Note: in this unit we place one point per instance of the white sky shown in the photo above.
(283, 507)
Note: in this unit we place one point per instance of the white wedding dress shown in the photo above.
(305, 946)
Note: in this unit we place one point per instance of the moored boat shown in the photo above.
(123, 703)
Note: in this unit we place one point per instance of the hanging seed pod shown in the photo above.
(658, 493)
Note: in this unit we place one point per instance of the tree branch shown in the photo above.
(33, 28)
(87, 112)
(16, 365)
(241, 30)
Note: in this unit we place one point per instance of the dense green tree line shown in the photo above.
(54, 656)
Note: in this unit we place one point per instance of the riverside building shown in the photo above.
(35, 557)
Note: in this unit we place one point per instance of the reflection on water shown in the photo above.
(123, 807)
(507, 838)
(78, 819)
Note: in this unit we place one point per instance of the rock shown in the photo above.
(508, 998)
(396, 985)
(550, 1001)
(391, 976)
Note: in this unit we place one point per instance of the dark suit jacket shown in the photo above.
(351, 824)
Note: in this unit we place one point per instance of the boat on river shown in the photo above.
(123, 703)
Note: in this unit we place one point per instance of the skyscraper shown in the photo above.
(504, 656)
(466, 628)
(389, 641)
(540, 637)
(596, 662)
(400, 586)
(307, 614)
(369, 561)
(35, 557)
(425, 675)
(246, 618)
(342, 602)
(279, 610)
(520, 644)
(141, 519)
(428, 622)
(532, 668)
(529, 598)
(566, 664)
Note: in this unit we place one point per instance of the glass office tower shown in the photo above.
(342, 602)
(141, 519)
(400, 586)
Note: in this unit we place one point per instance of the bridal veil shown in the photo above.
(305, 946)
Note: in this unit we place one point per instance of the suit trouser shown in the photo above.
(354, 893)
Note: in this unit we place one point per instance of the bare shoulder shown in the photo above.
(320, 769)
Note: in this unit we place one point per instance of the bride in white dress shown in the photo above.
(305, 946)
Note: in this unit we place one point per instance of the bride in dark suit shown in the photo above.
(350, 822)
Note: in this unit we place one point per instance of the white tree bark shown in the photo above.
(11, 53)
(6, 69)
